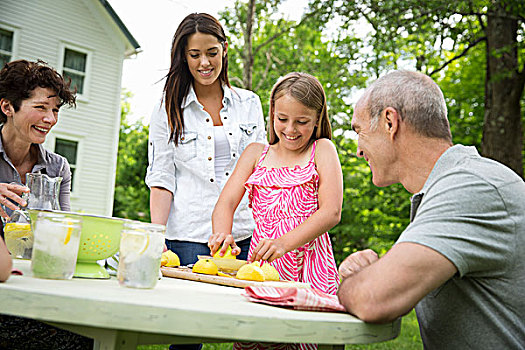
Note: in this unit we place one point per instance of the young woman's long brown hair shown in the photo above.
(179, 78)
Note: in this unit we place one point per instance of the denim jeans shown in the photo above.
(188, 251)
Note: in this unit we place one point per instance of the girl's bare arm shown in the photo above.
(231, 195)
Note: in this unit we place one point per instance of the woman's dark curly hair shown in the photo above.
(19, 78)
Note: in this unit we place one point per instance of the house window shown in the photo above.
(75, 68)
(68, 149)
(6, 46)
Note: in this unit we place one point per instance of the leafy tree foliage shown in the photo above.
(372, 217)
(433, 34)
(131, 193)
(463, 86)
(264, 46)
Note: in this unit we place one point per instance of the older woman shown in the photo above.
(31, 94)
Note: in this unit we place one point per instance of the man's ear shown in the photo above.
(392, 120)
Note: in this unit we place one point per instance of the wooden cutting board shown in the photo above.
(186, 274)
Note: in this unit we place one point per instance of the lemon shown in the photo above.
(224, 274)
(68, 234)
(169, 259)
(251, 272)
(227, 255)
(205, 266)
(134, 243)
(270, 272)
(19, 239)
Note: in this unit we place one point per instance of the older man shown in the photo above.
(461, 261)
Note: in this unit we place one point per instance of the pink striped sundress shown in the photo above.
(281, 199)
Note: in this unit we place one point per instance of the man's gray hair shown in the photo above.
(416, 97)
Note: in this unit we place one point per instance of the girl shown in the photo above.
(197, 132)
(295, 188)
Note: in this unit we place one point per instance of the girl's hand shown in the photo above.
(226, 239)
(268, 249)
(12, 191)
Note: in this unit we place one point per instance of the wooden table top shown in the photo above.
(177, 307)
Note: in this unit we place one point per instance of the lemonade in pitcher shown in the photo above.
(19, 239)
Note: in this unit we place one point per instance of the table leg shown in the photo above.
(115, 340)
(105, 339)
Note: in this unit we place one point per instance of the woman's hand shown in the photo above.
(13, 192)
(226, 239)
(356, 262)
(269, 250)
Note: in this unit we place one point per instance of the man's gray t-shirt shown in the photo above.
(472, 210)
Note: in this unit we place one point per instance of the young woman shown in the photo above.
(198, 131)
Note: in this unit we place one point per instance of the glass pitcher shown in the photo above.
(43, 191)
(44, 194)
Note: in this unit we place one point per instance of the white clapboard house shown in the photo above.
(86, 41)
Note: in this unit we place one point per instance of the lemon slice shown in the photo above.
(146, 245)
(224, 274)
(18, 239)
(68, 235)
(134, 243)
(17, 226)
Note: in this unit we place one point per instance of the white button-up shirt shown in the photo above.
(188, 170)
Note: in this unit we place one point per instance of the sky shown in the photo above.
(153, 23)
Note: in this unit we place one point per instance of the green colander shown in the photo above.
(99, 239)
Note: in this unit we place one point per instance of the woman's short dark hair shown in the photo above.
(19, 78)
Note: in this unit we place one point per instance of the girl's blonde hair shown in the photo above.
(307, 90)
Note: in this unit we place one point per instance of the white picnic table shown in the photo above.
(176, 311)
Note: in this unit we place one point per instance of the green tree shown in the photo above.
(463, 87)
(131, 193)
(433, 34)
(371, 217)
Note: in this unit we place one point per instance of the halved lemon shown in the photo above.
(205, 266)
(270, 272)
(251, 272)
(227, 255)
(169, 259)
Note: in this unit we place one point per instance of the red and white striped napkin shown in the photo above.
(297, 298)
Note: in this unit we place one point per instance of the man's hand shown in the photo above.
(356, 262)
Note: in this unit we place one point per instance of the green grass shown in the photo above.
(408, 339)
